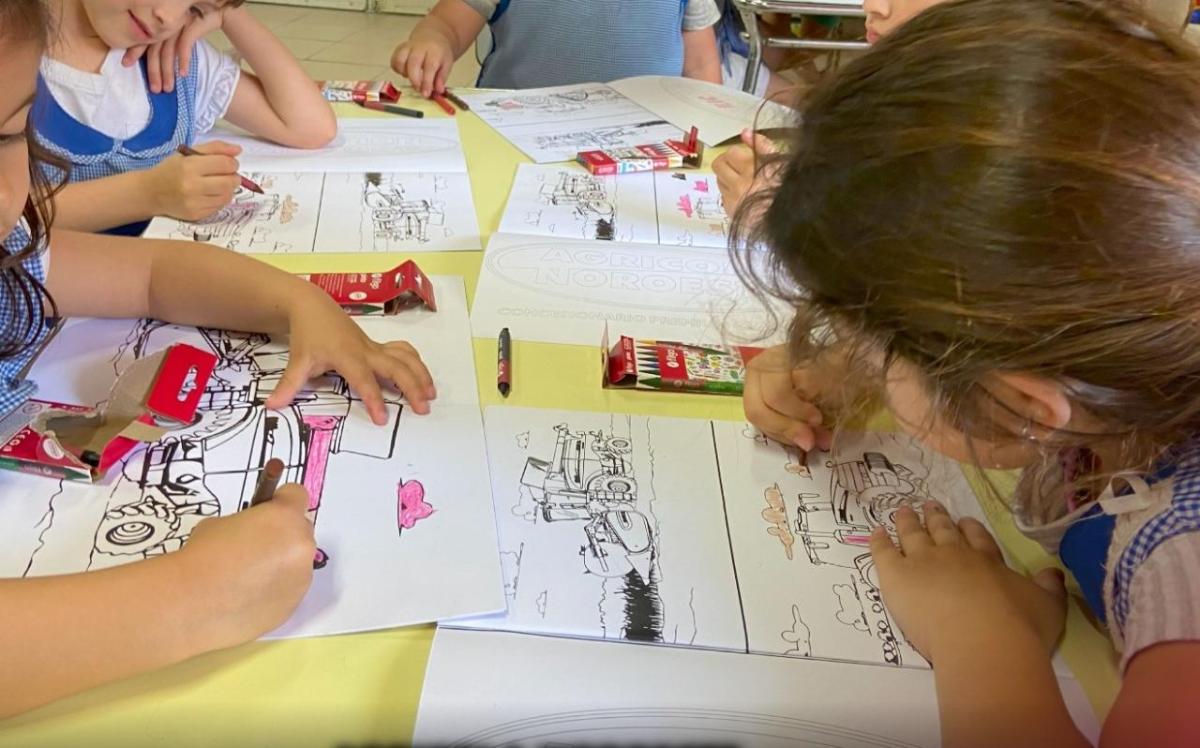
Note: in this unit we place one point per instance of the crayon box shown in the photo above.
(375, 294)
(673, 154)
(152, 396)
(360, 91)
(667, 365)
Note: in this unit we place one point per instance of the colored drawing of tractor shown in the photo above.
(590, 479)
(592, 204)
(864, 494)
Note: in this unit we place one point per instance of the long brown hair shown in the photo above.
(1004, 186)
(27, 21)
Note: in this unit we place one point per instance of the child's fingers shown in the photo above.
(154, 68)
(405, 349)
(405, 380)
(166, 55)
(215, 165)
(940, 526)
(185, 58)
(294, 379)
(363, 383)
(218, 148)
(400, 59)
(762, 145)
(132, 55)
(884, 552)
(221, 187)
(910, 532)
(786, 402)
(415, 69)
(980, 539)
(293, 497)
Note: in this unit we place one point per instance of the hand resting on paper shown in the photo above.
(324, 339)
(252, 568)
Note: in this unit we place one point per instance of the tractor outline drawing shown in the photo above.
(589, 479)
(592, 204)
(393, 216)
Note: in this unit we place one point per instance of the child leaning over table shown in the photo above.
(991, 222)
(539, 43)
(237, 577)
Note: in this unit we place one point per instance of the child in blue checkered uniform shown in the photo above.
(118, 122)
(537, 43)
(237, 577)
(992, 219)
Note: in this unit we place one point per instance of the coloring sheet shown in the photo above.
(719, 113)
(700, 533)
(573, 693)
(362, 144)
(305, 212)
(554, 124)
(667, 207)
(402, 512)
(564, 291)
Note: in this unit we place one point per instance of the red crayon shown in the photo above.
(440, 100)
(246, 183)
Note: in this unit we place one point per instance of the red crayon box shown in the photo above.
(668, 365)
(384, 293)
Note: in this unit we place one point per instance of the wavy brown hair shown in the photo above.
(28, 22)
(1004, 186)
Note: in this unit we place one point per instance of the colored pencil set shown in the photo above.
(668, 365)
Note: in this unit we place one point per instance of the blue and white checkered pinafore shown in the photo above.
(94, 155)
(14, 389)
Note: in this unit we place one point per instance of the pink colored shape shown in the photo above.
(700, 185)
(320, 445)
(685, 206)
(411, 506)
(857, 539)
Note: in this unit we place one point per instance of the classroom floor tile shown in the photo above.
(344, 44)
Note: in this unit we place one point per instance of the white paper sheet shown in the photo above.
(305, 212)
(564, 290)
(487, 688)
(719, 113)
(554, 124)
(704, 534)
(682, 207)
(361, 145)
(402, 512)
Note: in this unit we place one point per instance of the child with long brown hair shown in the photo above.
(992, 221)
(238, 576)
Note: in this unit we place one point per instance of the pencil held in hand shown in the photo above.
(268, 481)
(249, 184)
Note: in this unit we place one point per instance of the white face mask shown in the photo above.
(1140, 496)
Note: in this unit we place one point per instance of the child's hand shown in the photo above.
(736, 168)
(252, 568)
(191, 188)
(779, 401)
(948, 583)
(323, 338)
(161, 56)
(426, 62)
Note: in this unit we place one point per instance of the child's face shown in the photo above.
(885, 16)
(121, 24)
(18, 70)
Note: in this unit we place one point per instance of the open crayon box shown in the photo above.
(667, 365)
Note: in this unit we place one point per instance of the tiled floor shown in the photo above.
(347, 45)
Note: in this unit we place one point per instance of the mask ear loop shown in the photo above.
(1137, 499)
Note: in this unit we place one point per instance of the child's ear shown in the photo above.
(1037, 399)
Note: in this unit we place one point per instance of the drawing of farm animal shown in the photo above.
(212, 466)
(864, 494)
(589, 196)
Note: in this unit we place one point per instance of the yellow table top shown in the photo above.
(366, 687)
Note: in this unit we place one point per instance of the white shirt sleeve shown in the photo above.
(217, 77)
(485, 8)
(700, 14)
(1164, 597)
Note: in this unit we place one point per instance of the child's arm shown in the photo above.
(1158, 698)
(278, 101)
(701, 58)
(188, 188)
(987, 631)
(198, 284)
(237, 578)
(438, 40)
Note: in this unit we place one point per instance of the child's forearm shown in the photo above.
(100, 204)
(701, 58)
(64, 634)
(181, 282)
(997, 689)
(438, 25)
(279, 101)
